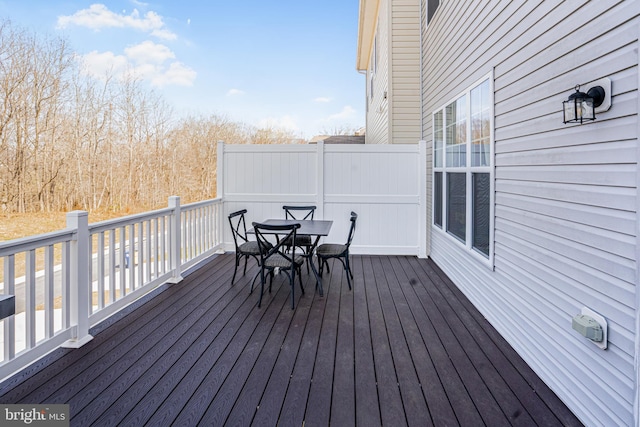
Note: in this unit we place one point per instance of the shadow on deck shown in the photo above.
(405, 347)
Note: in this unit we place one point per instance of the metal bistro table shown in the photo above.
(317, 228)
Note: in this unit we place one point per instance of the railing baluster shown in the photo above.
(156, 249)
(132, 256)
(163, 248)
(48, 291)
(9, 323)
(30, 299)
(147, 224)
(65, 283)
(100, 261)
(122, 256)
(141, 259)
(112, 266)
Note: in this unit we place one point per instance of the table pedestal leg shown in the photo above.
(313, 266)
(315, 273)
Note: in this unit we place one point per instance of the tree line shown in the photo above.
(70, 141)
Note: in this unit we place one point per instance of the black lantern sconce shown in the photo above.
(582, 107)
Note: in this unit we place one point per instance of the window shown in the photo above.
(463, 168)
(432, 6)
(373, 67)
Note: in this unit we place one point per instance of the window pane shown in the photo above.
(456, 132)
(480, 125)
(457, 204)
(481, 209)
(438, 140)
(437, 199)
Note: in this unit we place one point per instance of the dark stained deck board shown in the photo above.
(392, 411)
(471, 335)
(318, 409)
(521, 379)
(136, 411)
(486, 406)
(410, 391)
(404, 347)
(343, 397)
(366, 391)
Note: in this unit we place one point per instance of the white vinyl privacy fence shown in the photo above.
(384, 184)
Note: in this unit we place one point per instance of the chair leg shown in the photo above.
(300, 280)
(235, 270)
(307, 252)
(261, 287)
(292, 283)
(246, 257)
(270, 279)
(347, 269)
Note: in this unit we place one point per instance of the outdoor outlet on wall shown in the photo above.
(592, 326)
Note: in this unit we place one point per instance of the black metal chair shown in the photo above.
(327, 251)
(245, 248)
(274, 257)
(300, 213)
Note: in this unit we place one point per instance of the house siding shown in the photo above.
(404, 91)
(395, 118)
(566, 196)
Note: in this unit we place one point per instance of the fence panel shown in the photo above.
(384, 184)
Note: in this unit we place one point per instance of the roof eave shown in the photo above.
(366, 31)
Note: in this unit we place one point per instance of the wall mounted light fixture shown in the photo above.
(581, 107)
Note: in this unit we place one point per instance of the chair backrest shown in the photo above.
(352, 230)
(299, 212)
(267, 249)
(238, 227)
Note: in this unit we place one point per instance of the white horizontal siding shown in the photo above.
(566, 196)
(405, 111)
(378, 113)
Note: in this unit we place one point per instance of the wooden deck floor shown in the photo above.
(405, 347)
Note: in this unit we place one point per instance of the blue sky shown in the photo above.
(283, 63)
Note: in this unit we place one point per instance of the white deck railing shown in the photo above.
(66, 281)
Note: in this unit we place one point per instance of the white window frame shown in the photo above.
(469, 170)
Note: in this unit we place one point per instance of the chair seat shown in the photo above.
(330, 249)
(300, 241)
(277, 260)
(250, 248)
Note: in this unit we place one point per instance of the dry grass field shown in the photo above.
(15, 225)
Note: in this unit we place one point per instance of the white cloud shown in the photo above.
(101, 65)
(151, 61)
(235, 92)
(177, 74)
(149, 52)
(285, 122)
(323, 99)
(98, 16)
(346, 113)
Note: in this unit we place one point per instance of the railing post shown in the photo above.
(424, 226)
(222, 241)
(80, 281)
(175, 240)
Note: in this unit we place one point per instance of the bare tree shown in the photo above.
(73, 141)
